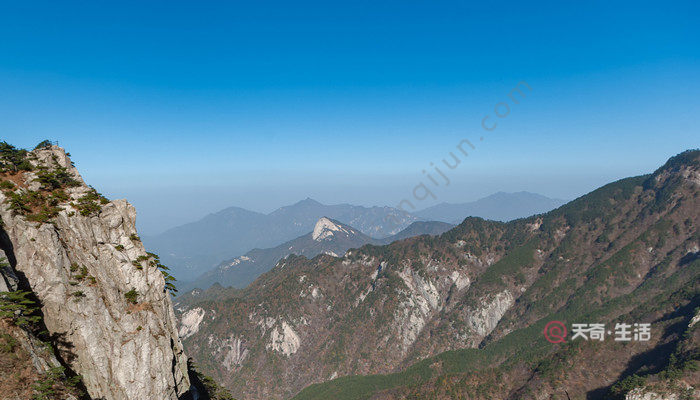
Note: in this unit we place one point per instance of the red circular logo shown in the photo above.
(555, 332)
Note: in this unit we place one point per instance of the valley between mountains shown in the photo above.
(460, 315)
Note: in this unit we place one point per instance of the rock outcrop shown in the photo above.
(102, 295)
(646, 394)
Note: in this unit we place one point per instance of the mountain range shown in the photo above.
(327, 237)
(198, 247)
(466, 314)
(499, 206)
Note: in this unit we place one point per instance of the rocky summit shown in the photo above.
(104, 301)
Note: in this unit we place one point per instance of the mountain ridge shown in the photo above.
(475, 298)
(241, 271)
(500, 206)
(197, 247)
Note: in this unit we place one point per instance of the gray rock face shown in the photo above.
(8, 279)
(644, 394)
(122, 350)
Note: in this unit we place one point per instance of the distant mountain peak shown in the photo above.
(308, 201)
(499, 206)
(326, 228)
(326, 236)
(520, 194)
(200, 246)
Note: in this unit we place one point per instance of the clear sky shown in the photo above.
(185, 108)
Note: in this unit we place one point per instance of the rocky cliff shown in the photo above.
(103, 298)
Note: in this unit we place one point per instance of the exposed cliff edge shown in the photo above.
(100, 292)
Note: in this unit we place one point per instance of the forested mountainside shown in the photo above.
(461, 315)
(85, 311)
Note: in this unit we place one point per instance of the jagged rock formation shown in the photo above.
(101, 294)
(475, 298)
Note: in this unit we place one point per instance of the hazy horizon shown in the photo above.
(185, 111)
(197, 217)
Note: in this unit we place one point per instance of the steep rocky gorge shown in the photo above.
(103, 298)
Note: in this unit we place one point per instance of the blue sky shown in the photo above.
(187, 108)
